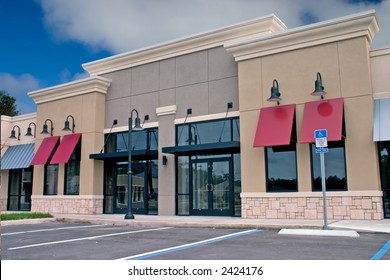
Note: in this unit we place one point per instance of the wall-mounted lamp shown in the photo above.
(13, 136)
(275, 94)
(164, 160)
(319, 89)
(229, 105)
(66, 126)
(146, 118)
(44, 129)
(29, 130)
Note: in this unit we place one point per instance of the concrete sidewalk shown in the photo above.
(382, 226)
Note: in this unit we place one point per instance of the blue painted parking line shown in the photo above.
(382, 251)
(190, 245)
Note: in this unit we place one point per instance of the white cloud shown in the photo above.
(124, 25)
(66, 76)
(18, 87)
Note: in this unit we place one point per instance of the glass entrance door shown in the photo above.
(384, 158)
(211, 188)
(139, 192)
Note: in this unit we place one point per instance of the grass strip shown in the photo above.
(27, 215)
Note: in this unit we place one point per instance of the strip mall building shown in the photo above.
(228, 120)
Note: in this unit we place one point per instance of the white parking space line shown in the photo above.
(189, 245)
(87, 238)
(49, 229)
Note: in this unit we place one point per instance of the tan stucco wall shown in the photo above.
(7, 123)
(345, 71)
(88, 111)
(380, 71)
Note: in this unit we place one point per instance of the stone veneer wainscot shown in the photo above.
(340, 206)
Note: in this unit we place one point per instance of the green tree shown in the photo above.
(7, 105)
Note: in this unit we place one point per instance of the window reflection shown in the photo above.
(281, 168)
(51, 179)
(146, 139)
(335, 168)
(223, 130)
(72, 172)
(384, 157)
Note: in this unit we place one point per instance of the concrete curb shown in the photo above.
(27, 221)
(184, 224)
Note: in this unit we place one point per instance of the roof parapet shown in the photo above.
(218, 37)
(356, 25)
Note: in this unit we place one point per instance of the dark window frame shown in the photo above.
(234, 125)
(75, 158)
(331, 145)
(292, 147)
(45, 187)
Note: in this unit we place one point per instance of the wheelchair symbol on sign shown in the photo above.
(321, 133)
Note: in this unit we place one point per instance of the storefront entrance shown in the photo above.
(144, 191)
(384, 157)
(20, 189)
(211, 187)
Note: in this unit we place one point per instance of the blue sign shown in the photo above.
(321, 150)
(320, 133)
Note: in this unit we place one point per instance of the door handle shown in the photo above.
(211, 187)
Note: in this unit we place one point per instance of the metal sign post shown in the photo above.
(321, 137)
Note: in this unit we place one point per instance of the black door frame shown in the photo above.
(123, 210)
(24, 190)
(210, 211)
(385, 177)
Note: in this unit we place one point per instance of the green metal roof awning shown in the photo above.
(17, 157)
(204, 149)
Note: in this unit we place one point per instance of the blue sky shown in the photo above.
(44, 42)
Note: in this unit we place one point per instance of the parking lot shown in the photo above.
(72, 241)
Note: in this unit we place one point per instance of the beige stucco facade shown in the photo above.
(235, 64)
(342, 56)
(85, 101)
(7, 124)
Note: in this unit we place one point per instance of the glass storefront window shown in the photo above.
(223, 130)
(384, 157)
(281, 165)
(335, 168)
(51, 179)
(146, 139)
(237, 184)
(72, 172)
(183, 184)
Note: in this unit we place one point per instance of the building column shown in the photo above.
(166, 173)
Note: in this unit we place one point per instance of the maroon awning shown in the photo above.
(45, 149)
(65, 149)
(323, 114)
(274, 126)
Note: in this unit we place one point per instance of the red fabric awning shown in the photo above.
(323, 114)
(45, 149)
(65, 149)
(274, 126)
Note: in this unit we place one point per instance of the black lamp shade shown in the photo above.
(66, 126)
(275, 94)
(137, 124)
(13, 136)
(44, 129)
(28, 132)
(318, 87)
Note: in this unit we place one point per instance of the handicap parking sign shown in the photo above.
(321, 138)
